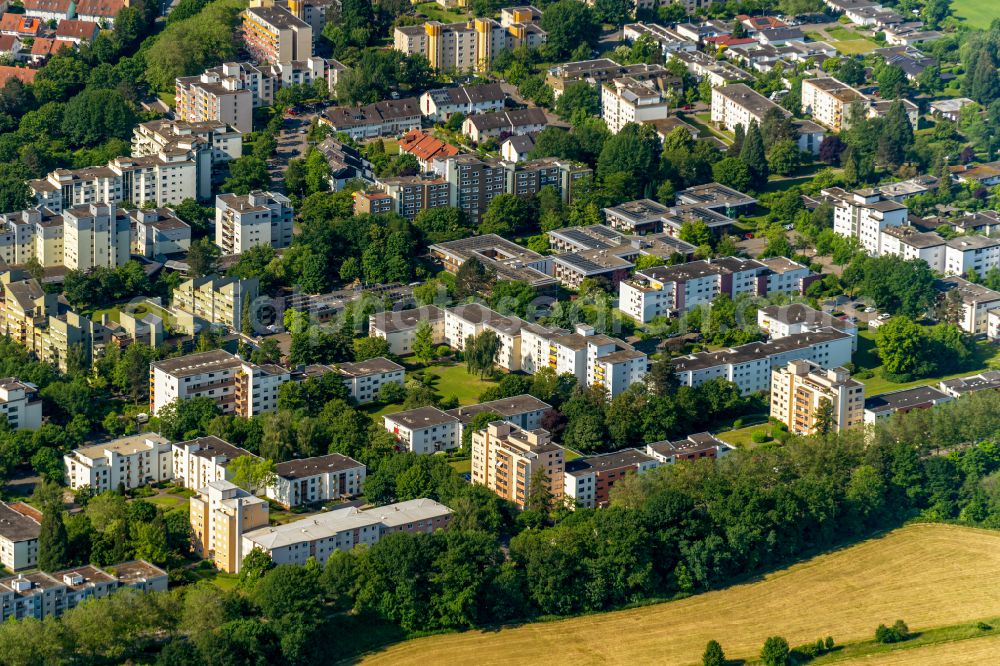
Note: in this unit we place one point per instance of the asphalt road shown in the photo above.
(292, 143)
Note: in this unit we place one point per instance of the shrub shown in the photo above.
(713, 655)
(897, 633)
(775, 651)
(828, 643)
(982, 626)
(760, 437)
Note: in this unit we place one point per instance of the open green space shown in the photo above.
(987, 356)
(846, 41)
(742, 437)
(436, 12)
(137, 310)
(930, 575)
(454, 380)
(703, 122)
(976, 13)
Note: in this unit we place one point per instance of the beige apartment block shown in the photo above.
(220, 514)
(214, 300)
(802, 390)
(506, 457)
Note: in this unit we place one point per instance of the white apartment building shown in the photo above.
(317, 479)
(129, 461)
(236, 386)
(199, 462)
(224, 142)
(971, 253)
(780, 321)
(439, 104)
(424, 429)
(908, 243)
(158, 232)
(749, 366)
(20, 406)
(977, 303)
(739, 104)
(666, 291)
(258, 218)
(364, 378)
(626, 100)
(399, 327)
(344, 528)
(18, 538)
(429, 429)
(163, 178)
(800, 389)
(85, 237)
(863, 214)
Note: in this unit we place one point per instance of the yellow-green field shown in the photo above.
(928, 575)
(971, 652)
(977, 13)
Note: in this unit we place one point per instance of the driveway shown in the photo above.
(293, 143)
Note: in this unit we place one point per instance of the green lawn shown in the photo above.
(987, 356)
(462, 466)
(703, 122)
(453, 380)
(740, 438)
(436, 12)
(138, 310)
(218, 578)
(846, 41)
(977, 13)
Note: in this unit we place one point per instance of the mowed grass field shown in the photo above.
(928, 575)
(977, 13)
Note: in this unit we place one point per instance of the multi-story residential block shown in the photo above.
(158, 232)
(625, 100)
(780, 321)
(983, 381)
(469, 46)
(199, 462)
(719, 73)
(667, 38)
(977, 303)
(318, 479)
(127, 462)
(257, 218)
(693, 447)
(908, 243)
(314, 12)
(212, 300)
(18, 537)
(749, 366)
(80, 238)
(164, 178)
(20, 405)
(602, 237)
(864, 214)
(275, 35)
(716, 197)
(588, 481)
(236, 386)
(508, 260)
(640, 217)
(364, 378)
(399, 327)
(403, 195)
(222, 95)
(883, 406)
(342, 529)
(221, 513)
(829, 101)
(739, 104)
(390, 117)
(476, 181)
(494, 124)
(39, 595)
(977, 254)
(439, 104)
(424, 429)
(507, 459)
(223, 143)
(34, 319)
(667, 291)
(601, 70)
(807, 397)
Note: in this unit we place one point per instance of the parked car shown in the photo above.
(749, 236)
(869, 309)
(884, 316)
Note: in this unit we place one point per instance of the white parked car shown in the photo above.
(869, 309)
(884, 316)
